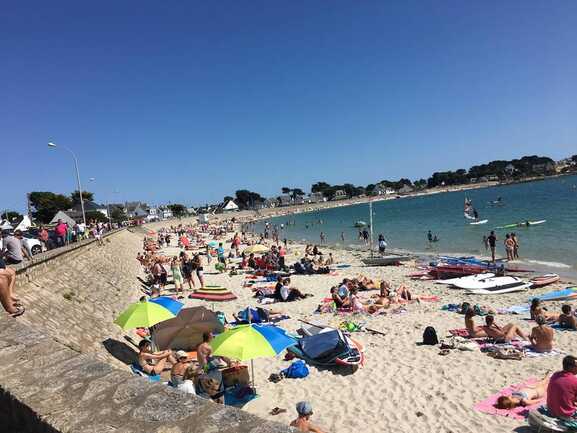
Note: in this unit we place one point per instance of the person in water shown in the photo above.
(525, 396)
(430, 236)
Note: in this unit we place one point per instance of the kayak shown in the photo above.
(544, 280)
(453, 281)
(559, 295)
(479, 222)
(522, 224)
(488, 283)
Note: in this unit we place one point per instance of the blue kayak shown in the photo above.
(558, 295)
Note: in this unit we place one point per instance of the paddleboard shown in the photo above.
(515, 287)
(479, 222)
(453, 281)
(488, 283)
(558, 295)
(522, 224)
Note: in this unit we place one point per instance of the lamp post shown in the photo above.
(52, 145)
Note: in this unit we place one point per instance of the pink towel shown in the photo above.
(520, 413)
(460, 332)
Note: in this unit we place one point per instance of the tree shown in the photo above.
(46, 204)
(178, 210)
(574, 159)
(320, 187)
(11, 215)
(285, 190)
(420, 184)
(246, 199)
(227, 198)
(296, 192)
(370, 188)
(117, 214)
(96, 216)
(86, 196)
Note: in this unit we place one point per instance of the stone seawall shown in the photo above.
(64, 363)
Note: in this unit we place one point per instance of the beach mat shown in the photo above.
(519, 413)
(459, 332)
(206, 291)
(213, 297)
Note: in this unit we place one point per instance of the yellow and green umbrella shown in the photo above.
(144, 314)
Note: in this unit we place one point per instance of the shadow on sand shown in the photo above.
(120, 350)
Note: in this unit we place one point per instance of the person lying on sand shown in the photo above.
(337, 299)
(504, 334)
(153, 362)
(474, 331)
(538, 310)
(542, 336)
(526, 396)
(566, 318)
(359, 306)
(302, 423)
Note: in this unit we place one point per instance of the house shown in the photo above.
(269, 203)
(285, 200)
(231, 206)
(510, 169)
(136, 210)
(383, 190)
(89, 206)
(165, 213)
(191, 211)
(405, 189)
(299, 199)
(545, 167)
(492, 178)
(61, 215)
(340, 195)
(316, 197)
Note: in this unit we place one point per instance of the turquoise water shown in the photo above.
(405, 222)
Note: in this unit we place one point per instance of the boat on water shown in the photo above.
(522, 224)
(386, 260)
(360, 224)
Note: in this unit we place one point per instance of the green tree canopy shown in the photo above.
(86, 196)
(246, 199)
(117, 214)
(11, 215)
(95, 216)
(46, 204)
(178, 210)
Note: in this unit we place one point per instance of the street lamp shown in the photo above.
(52, 145)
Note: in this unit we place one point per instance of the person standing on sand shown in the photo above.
(303, 421)
(492, 240)
(509, 246)
(322, 236)
(515, 245)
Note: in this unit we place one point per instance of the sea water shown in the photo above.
(405, 222)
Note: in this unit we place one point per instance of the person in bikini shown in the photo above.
(567, 318)
(204, 353)
(537, 310)
(542, 336)
(153, 363)
(474, 331)
(504, 334)
(526, 396)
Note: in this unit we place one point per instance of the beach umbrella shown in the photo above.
(248, 342)
(185, 330)
(170, 304)
(256, 249)
(213, 244)
(143, 314)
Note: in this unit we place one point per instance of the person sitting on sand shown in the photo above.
(474, 331)
(562, 390)
(303, 421)
(526, 396)
(542, 336)
(178, 369)
(537, 310)
(504, 334)
(204, 353)
(285, 293)
(153, 363)
(567, 318)
(337, 299)
(188, 379)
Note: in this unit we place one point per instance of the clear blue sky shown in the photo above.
(188, 101)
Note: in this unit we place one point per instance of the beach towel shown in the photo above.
(519, 413)
(514, 309)
(238, 397)
(558, 327)
(459, 332)
(530, 353)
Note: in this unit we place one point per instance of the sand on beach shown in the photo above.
(403, 386)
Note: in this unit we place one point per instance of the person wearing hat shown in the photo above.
(303, 423)
(562, 390)
(178, 369)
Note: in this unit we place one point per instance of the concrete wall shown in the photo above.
(63, 363)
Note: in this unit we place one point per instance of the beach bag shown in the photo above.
(296, 370)
(430, 336)
(235, 376)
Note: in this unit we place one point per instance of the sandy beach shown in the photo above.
(402, 386)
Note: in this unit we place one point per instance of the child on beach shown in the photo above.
(302, 422)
